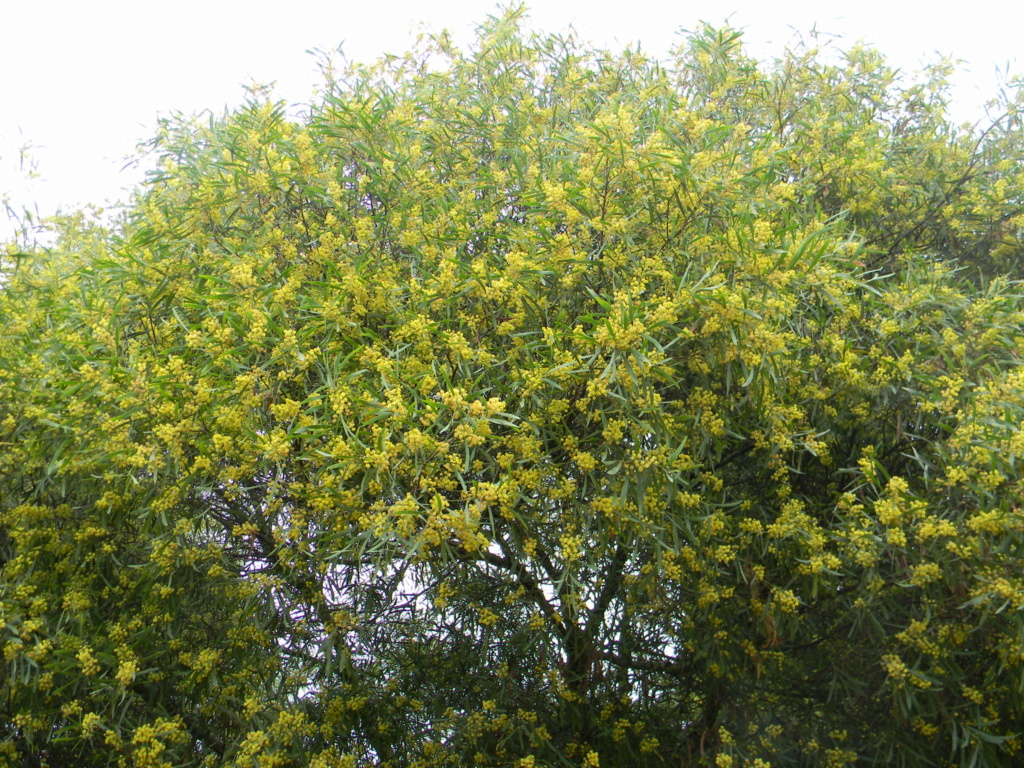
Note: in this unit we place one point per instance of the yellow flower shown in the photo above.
(90, 722)
(126, 672)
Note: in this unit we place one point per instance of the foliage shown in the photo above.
(529, 406)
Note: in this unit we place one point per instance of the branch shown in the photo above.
(612, 584)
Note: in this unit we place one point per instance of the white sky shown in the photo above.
(83, 82)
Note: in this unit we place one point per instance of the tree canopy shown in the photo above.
(529, 405)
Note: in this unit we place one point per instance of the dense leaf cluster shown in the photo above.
(529, 406)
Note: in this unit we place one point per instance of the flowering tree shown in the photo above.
(530, 406)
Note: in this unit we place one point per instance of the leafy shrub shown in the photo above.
(534, 405)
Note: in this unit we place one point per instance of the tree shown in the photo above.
(532, 405)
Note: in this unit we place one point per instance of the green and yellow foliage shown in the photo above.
(529, 406)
